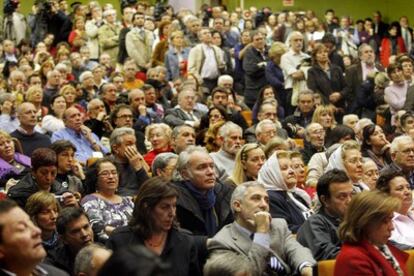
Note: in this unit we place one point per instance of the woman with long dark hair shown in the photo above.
(154, 226)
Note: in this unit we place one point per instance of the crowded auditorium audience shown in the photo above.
(154, 141)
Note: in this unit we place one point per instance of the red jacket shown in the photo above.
(385, 52)
(365, 259)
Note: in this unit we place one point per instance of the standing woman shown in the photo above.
(396, 93)
(160, 44)
(391, 45)
(365, 231)
(77, 37)
(177, 56)
(154, 226)
(106, 210)
(325, 78)
(274, 74)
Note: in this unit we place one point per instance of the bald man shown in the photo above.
(25, 133)
(86, 142)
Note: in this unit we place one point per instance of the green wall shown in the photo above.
(391, 9)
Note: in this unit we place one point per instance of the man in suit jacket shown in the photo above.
(139, 43)
(357, 73)
(268, 244)
(184, 112)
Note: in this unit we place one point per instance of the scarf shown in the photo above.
(270, 176)
(206, 203)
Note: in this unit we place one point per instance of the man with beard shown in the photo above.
(230, 136)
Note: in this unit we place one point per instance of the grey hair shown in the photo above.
(133, 92)
(309, 127)
(177, 130)
(348, 117)
(185, 155)
(61, 66)
(261, 124)
(6, 97)
(226, 264)
(361, 48)
(225, 129)
(395, 145)
(117, 133)
(240, 192)
(91, 103)
(16, 73)
(84, 75)
(224, 78)
(306, 92)
(49, 74)
(161, 161)
(83, 261)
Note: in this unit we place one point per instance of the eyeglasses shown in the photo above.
(125, 116)
(407, 151)
(106, 174)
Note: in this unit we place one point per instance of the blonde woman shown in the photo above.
(159, 135)
(248, 162)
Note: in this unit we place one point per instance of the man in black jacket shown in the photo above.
(319, 232)
(75, 231)
(41, 178)
(129, 162)
(203, 205)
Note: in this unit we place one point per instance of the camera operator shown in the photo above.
(46, 17)
(15, 24)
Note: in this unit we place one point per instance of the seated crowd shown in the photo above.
(245, 142)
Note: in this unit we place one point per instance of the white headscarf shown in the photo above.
(335, 161)
(270, 175)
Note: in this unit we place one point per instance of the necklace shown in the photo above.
(156, 243)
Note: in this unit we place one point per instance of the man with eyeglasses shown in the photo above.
(315, 141)
(85, 141)
(267, 111)
(122, 116)
(402, 155)
(265, 131)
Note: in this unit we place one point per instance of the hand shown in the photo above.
(262, 221)
(101, 116)
(298, 75)
(78, 170)
(134, 157)
(196, 124)
(142, 109)
(10, 183)
(86, 131)
(69, 200)
(306, 271)
(334, 97)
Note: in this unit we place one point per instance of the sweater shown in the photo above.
(30, 142)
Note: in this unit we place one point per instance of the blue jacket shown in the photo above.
(171, 62)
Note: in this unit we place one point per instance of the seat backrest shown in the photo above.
(410, 262)
(247, 115)
(326, 268)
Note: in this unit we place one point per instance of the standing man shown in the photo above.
(139, 43)
(269, 245)
(290, 63)
(254, 66)
(206, 60)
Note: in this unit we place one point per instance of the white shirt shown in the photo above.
(403, 229)
(289, 64)
(209, 69)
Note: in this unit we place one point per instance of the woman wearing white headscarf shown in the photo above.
(348, 158)
(285, 200)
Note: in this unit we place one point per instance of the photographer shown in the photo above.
(46, 17)
(15, 26)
